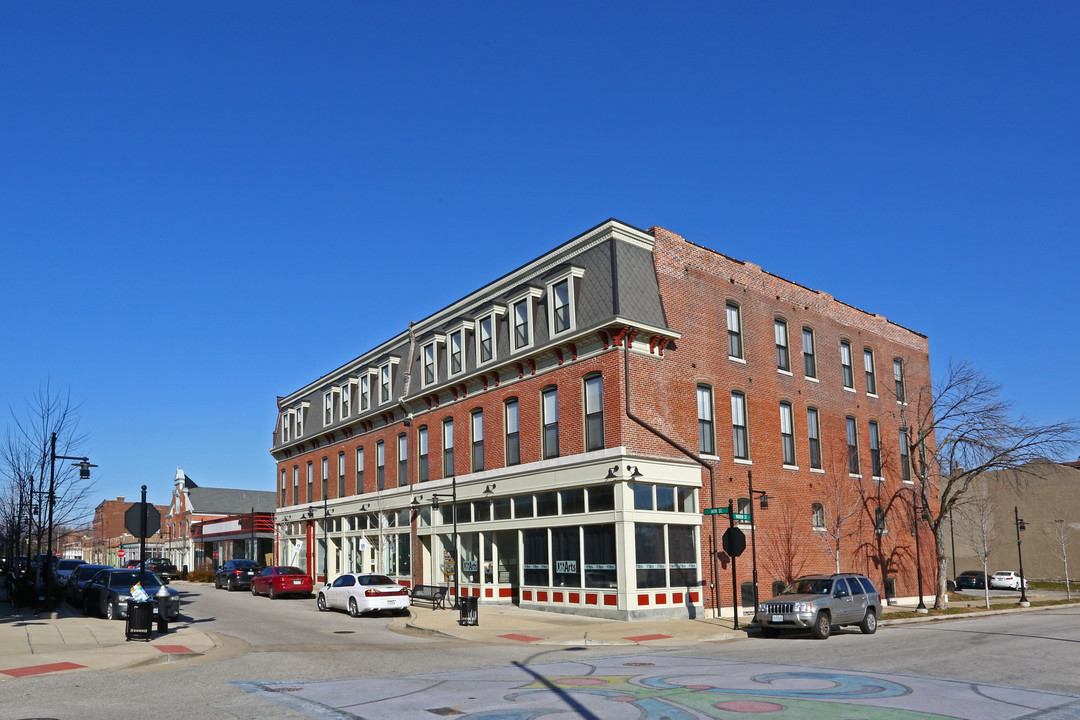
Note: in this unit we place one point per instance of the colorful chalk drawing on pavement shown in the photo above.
(654, 687)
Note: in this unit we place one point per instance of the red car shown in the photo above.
(278, 580)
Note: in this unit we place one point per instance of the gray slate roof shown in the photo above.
(227, 501)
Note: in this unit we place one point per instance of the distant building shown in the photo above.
(111, 543)
(585, 410)
(192, 505)
(1047, 498)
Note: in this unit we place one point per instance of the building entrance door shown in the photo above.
(506, 544)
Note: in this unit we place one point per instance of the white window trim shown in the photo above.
(301, 416)
(328, 408)
(571, 275)
(529, 296)
(462, 327)
(434, 345)
(371, 378)
(493, 314)
(390, 364)
(348, 390)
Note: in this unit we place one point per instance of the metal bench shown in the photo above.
(435, 594)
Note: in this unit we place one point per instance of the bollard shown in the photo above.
(163, 610)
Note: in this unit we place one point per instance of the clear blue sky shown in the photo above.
(206, 205)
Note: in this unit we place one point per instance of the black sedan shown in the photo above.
(76, 584)
(236, 574)
(971, 579)
(108, 593)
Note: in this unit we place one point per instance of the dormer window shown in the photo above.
(486, 338)
(429, 370)
(365, 391)
(301, 415)
(328, 408)
(562, 301)
(386, 381)
(455, 351)
(346, 398)
(522, 314)
(286, 433)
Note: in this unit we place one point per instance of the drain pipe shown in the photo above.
(688, 453)
(405, 384)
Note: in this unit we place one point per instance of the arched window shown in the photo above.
(817, 514)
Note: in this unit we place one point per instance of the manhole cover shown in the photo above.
(283, 689)
(638, 664)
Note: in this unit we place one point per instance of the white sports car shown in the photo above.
(360, 593)
(1007, 580)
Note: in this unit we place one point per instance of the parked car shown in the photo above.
(131, 564)
(76, 584)
(236, 574)
(972, 580)
(64, 568)
(108, 592)
(820, 602)
(279, 580)
(361, 593)
(164, 568)
(1007, 580)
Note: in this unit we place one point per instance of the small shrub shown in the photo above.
(204, 576)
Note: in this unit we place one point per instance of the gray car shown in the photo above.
(820, 602)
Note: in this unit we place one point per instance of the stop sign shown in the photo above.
(734, 542)
(120, 553)
(133, 519)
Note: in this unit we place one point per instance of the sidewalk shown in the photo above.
(32, 644)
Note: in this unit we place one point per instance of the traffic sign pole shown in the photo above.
(734, 580)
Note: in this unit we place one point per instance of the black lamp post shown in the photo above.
(918, 555)
(1020, 525)
(84, 474)
(753, 532)
(435, 498)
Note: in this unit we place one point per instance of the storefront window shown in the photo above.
(523, 506)
(686, 499)
(683, 556)
(601, 498)
(547, 504)
(565, 552)
(501, 508)
(464, 513)
(470, 558)
(573, 501)
(600, 560)
(536, 557)
(649, 545)
(446, 567)
(665, 498)
(643, 496)
(482, 510)
(446, 514)
(489, 553)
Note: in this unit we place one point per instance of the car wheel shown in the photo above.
(321, 603)
(353, 609)
(273, 593)
(253, 592)
(822, 626)
(112, 612)
(231, 584)
(217, 583)
(869, 622)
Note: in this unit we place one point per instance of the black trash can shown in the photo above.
(467, 606)
(140, 620)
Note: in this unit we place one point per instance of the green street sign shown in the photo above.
(741, 517)
(716, 511)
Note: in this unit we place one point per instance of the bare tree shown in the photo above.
(783, 545)
(25, 462)
(1063, 534)
(841, 512)
(977, 517)
(958, 430)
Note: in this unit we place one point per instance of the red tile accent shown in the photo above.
(488, 592)
(642, 599)
(521, 638)
(575, 598)
(506, 592)
(661, 599)
(676, 598)
(526, 594)
(611, 599)
(41, 669)
(173, 649)
(557, 597)
(541, 596)
(591, 599)
(693, 597)
(643, 638)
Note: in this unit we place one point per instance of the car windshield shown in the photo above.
(1003, 574)
(375, 580)
(127, 578)
(68, 564)
(809, 586)
(244, 563)
(290, 571)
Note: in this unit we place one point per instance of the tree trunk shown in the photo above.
(942, 564)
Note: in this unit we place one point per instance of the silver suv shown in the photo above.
(819, 602)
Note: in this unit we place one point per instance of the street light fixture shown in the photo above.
(84, 466)
(1020, 525)
(435, 498)
(918, 555)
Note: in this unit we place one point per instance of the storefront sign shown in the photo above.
(566, 567)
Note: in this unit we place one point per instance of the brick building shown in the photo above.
(584, 410)
(111, 543)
